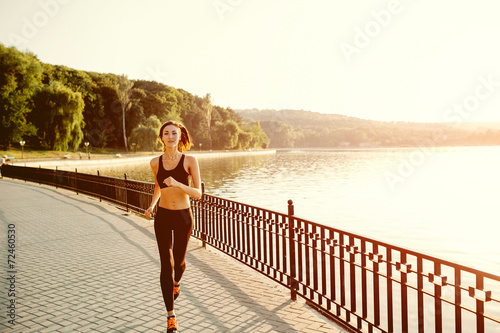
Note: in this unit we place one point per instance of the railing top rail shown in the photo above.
(244, 204)
(71, 171)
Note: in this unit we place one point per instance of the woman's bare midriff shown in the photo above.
(174, 199)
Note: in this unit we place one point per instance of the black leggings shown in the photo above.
(172, 257)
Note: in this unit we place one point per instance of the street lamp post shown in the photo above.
(86, 143)
(22, 143)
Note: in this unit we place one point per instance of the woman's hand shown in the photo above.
(171, 182)
(148, 212)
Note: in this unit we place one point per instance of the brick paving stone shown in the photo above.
(70, 328)
(85, 266)
(24, 328)
(51, 326)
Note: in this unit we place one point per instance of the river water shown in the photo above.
(440, 201)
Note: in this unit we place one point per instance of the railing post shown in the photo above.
(99, 187)
(479, 305)
(76, 181)
(291, 235)
(126, 194)
(55, 177)
(203, 217)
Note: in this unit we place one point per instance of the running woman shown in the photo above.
(173, 221)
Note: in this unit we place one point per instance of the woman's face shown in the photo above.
(170, 136)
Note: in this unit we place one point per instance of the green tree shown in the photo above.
(87, 83)
(259, 137)
(252, 136)
(108, 130)
(244, 140)
(20, 76)
(145, 135)
(160, 100)
(207, 107)
(280, 134)
(110, 124)
(124, 92)
(226, 134)
(194, 119)
(58, 114)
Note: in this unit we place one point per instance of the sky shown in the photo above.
(389, 60)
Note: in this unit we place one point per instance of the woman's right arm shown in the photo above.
(157, 191)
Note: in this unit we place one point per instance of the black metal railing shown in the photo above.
(364, 284)
(129, 194)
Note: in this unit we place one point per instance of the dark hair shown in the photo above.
(185, 140)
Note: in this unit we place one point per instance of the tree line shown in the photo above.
(59, 108)
(300, 129)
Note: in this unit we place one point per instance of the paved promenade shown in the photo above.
(85, 266)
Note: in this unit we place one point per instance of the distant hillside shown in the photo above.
(474, 126)
(301, 118)
(299, 128)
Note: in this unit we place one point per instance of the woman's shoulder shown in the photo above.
(190, 158)
(155, 161)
